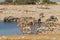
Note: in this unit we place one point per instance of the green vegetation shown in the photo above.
(9, 1)
(48, 2)
(27, 2)
(22, 1)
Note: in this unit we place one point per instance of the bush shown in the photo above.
(52, 3)
(48, 2)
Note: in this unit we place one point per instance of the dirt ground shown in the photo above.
(29, 11)
(32, 37)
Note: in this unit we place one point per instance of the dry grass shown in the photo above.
(33, 37)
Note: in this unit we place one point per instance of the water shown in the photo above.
(9, 29)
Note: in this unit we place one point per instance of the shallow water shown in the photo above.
(9, 29)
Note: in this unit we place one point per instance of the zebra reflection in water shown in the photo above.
(36, 26)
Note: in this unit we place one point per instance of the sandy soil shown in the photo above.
(29, 10)
(32, 37)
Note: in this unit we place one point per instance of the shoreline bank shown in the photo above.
(29, 11)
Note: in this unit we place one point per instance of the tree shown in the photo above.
(26, 1)
(46, 1)
(9, 1)
(20, 1)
